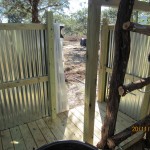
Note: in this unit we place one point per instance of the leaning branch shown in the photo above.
(123, 90)
(142, 125)
(135, 27)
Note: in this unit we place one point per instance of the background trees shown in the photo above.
(30, 10)
(26, 11)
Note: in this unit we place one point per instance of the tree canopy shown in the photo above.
(30, 10)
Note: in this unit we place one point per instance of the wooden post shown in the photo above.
(91, 68)
(103, 61)
(51, 65)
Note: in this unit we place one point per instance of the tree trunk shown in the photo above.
(35, 12)
(122, 51)
(142, 125)
(123, 90)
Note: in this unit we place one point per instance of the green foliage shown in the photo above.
(21, 10)
(110, 14)
(75, 24)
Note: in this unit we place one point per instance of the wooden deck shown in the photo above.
(67, 125)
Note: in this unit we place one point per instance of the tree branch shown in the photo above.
(55, 5)
(142, 125)
(135, 27)
(123, 90)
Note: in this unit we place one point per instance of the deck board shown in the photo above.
(67, 126)
(28, 138)
(48, 135)
(0, 142)
(7, 140)
(38, 136)
(71, 126)
(56, 129)
(17, 138)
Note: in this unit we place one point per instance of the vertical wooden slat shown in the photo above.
(103, 61)
(51, 65)
(91, 68)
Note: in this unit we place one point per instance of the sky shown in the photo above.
(77, 5)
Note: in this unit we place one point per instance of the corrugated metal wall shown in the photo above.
(137, 66)
(22, 56)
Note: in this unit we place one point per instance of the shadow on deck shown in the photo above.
(67, 126)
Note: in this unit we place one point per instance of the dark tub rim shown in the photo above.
(87, 145)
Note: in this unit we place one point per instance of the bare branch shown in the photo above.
(123, 90)
(135, 27)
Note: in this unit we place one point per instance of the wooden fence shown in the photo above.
(134, 104)
(29, 86)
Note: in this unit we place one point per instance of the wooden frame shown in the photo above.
(19, 26)
(23, 82)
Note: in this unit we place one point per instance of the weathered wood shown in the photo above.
(51, 65)
(23, 82)
(138, 28)
(122, 51)
(123, 90)
(142, 125)
(103, 61)
(139, 5)
(19, 26)
(91, 68)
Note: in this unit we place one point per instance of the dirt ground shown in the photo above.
(74, 68)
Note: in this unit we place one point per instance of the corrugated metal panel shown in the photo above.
(22, 56)
(137, 66)
(62, 102)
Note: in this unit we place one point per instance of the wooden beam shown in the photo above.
(23, 82)
(91, 68)
(19, 26)
(51, 65)
(103, 61)
(139, 5)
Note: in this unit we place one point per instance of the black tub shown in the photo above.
(68, 145)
